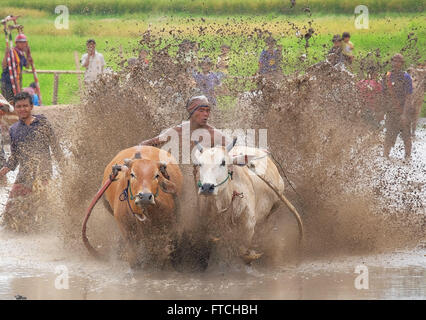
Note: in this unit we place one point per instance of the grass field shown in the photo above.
(212, 7)
(54, 49)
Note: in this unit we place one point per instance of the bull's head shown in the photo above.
(215, 168)
(146, 178)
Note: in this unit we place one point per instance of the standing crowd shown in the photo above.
(33, 141)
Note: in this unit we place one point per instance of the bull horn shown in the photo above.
(163, 169)
(127, 162)
(199, 146)
(231, 144)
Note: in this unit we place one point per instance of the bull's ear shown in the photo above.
(167, 186)
(128, 162)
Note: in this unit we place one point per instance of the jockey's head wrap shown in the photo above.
(194, 103)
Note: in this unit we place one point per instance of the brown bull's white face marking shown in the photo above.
(213, 164)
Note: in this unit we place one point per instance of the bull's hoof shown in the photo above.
(251, 256)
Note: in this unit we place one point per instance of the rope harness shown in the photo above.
(230, 173)
(115, 170)
(124, 196)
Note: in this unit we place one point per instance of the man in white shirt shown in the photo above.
(93, 61)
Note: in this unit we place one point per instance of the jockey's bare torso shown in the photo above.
(196, 129)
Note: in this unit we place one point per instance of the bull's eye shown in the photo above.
(132, 175)
(223, 163)
(157, 176)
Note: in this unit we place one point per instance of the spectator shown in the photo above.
(397, 88)
(187, 55)
(280, 57)
(4, 107)
(206, 80)
(269, 58)
(32, 142)
(131, 62)
(143, 57)
(335, 54)
(21, 61)
(93, 61)
(347, 48)
(223, 61)
(370, 91)
(32, 91)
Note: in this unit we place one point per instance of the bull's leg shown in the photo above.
(130, 239)
(245, 252)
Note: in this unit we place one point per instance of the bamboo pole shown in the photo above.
(77, 67)
(56, 71)
(55, 88)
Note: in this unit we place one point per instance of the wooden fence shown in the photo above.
(57, 73)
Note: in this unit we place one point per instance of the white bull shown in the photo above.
(234, 199)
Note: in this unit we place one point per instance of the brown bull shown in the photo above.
(143, 201)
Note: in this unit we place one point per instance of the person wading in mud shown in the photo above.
(4, 107)
(370, 91)
(335, 54)
(32, 141)
(192, 254)
(397, 88)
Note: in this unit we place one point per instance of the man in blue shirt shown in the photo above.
(269, 61)
(207, 81)
(32, 142)
(397, 89)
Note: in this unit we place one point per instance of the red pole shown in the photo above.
(34, 73)
(15, 73)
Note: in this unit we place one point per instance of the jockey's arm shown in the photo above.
(159, 140)
(154, 142)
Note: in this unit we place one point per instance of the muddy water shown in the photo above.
(30, 271)
(36, 266)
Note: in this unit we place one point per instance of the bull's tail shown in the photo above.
(98, 195)
(288, 204)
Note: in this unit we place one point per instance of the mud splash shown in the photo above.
(316, 130)
(352, 200)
